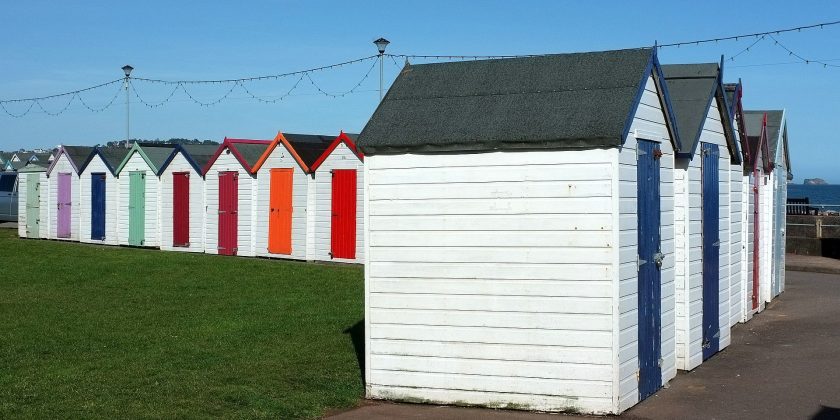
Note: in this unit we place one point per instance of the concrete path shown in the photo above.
(784, 363)
(8, 225)
(812, 264)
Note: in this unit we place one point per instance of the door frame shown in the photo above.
(102, 177)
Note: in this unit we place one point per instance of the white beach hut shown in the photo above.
(777, 145)
(33, 191)
(761, 209)
(139, 192)
(98, 184)
(707, 197)
(182, 198)
(64, 195)
(339, 202)
(519, 233)
(284, 207)
(230, 194)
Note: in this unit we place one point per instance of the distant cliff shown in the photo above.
(815, 181)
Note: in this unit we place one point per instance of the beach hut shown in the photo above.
(32, 204)
(519, 233)
(230, 194)
(139, 189)
(777, 145)
(707, 170)
(98, 207)
(760, 226)
(182, 198)
(285, 200)
(339, 193)
(64, 194)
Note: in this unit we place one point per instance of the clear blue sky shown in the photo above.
(51, 47)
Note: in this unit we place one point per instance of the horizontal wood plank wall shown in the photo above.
(281, 158)
(342, 158)
(152, 236)
(196, 201)
(63, 166)
(23, 179)
(227, 162)
(766, 243)
(747, 253)
(45, 208)
(648, 124)
(486, 283)
(736, 260)
(713, 133)
(97, 165)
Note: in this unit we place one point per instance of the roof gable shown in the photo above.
(756, 125)
(197, 155)
(306, 149)
(76, 155)
(734, 93)
(111, 156)
(348, 139)
(247, 152)
(576, 100)
(153, 154)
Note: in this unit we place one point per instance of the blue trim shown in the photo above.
(665, 97)
(639, 92)
(733, 142)
(98, 151)
(180, 148)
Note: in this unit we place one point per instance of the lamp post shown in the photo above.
(381, 43)
(127, 70)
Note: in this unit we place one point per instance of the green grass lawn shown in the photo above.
(107, 332)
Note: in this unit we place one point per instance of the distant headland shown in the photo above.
(815, 181)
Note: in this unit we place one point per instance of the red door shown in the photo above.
(343, 234)
(181, 209)
(228, 208)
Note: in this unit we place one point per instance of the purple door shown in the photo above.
(64, 205)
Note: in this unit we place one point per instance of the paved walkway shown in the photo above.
(811, 264)
(784, 363)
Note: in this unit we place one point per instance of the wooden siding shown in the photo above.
(689, 223)
(477, 288)
(97, 165)
(344, 158)
(281, 158)
(63, 166)
(247, 196)
(737, 245)
(648, 124)
(197, 222)
(151, 227)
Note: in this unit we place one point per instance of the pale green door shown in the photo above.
(137, 208)
(33, 205)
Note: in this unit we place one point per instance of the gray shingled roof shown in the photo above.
(157, 153)
(113, 156)
(200, 154)
(250, 152)
(692, 87)
(309, 146)
(752, 123)
(729, 89)
(774, 126)
(569, 101)
(34, 167)
(78, 154)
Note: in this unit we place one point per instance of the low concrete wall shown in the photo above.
(813, 235)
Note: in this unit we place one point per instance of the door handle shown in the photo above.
(658, 258)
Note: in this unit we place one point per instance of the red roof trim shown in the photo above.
(280, 139)
(231, 145)
(342, 138)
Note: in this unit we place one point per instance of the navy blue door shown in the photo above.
(97, 206)
(711, 249)
(650, 261)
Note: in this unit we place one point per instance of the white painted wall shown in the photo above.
(344, 158)
(689, 244)
(281, 158)
(227, 162)
(197, 209)
(137, 164)
(766, 241)
(64, 166)
(97, 165)
(737, 262)
(648, 124)
(496, 278)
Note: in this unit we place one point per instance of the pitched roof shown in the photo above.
(692, 88)
(154, 154)
(304, 148)
(347, 139)
(757, 138)
(776, 134)
(247, 152)
(77, 155)
(34, 167)
(112, 156)
(41, 157)
(568, 100)
(196, 154)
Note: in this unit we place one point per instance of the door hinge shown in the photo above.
(640, 261)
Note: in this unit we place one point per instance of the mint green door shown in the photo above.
(33, 205)
(137, 208)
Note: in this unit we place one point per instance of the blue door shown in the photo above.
(650, 261)
(97, 206)
(711, 249)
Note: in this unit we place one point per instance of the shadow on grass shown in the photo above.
(357, 336)
(827, 413)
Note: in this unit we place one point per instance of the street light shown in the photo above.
(127, 70)
(381, 43)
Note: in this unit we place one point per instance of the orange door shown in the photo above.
(280, 212)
